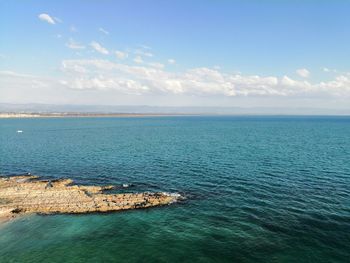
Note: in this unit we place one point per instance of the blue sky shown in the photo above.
(231, 53)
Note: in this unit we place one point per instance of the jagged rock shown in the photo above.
(26, 194)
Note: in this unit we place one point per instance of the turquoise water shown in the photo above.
(259, 189)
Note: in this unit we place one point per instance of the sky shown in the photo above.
(176, 53)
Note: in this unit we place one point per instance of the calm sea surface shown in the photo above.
(259, 189)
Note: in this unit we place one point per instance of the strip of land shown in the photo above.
(27, 194)
(81, 115)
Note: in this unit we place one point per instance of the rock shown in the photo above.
(26, 194)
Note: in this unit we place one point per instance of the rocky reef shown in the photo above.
(27, 194)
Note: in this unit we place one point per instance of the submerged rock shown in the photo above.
(26, 194)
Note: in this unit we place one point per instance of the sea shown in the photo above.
(256, 188)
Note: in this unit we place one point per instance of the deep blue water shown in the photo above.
(259, 189)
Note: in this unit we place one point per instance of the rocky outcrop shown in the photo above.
(26, 194)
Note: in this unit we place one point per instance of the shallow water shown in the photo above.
(259, 189)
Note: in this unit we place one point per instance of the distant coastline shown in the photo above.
(33, 115)
(37, 110)
(9, 115)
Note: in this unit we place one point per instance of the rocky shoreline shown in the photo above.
(26, 194)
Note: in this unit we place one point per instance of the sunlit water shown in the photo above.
(259, 189)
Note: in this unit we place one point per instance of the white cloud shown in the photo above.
(74, 45)
(145, 47)
(103, 31)
(67, 67)
(141, 52)
(99, 48)
(15, 74)
(156, 65)
(47, 18)
(303, 72)
(171, 61)
(58, 20)
(26, 88)
(329, 70)
(121, 55)
(153, 79)
(114, 83)
(138, 60)
(32, 81)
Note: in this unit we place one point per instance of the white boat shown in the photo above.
(19, 131)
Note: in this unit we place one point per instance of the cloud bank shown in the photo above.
(94, 74)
